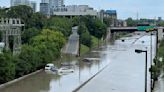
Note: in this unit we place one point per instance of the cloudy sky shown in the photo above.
(125, 8)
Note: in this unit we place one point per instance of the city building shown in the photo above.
(76, 10)
(32, 4)
(19, 2)
(152, 22)
(44, 1)
(44, 9)
(111, 14)
(57, 8)
(52, 5)
(159, 19)
(121, 23)
(56, 5)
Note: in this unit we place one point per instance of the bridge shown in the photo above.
(113, 30)
(123, 29)
(72, 46)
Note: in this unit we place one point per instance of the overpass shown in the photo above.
(123, 29)
(113, 30)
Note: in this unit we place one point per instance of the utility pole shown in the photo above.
(146, 72)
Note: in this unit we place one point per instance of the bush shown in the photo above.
(7, 68)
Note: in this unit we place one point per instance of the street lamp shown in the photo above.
(141, 51)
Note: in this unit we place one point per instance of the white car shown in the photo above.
(65, 70)
(49, 66)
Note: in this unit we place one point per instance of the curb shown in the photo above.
(83, 84)
(18, 79)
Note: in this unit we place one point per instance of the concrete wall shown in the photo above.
(160, 33)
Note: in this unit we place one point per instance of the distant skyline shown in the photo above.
(125, 8)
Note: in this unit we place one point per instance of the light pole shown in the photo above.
(140, 51)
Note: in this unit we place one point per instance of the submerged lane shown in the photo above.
(119, 74)
(126, 70)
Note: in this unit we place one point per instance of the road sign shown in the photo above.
(146, 28)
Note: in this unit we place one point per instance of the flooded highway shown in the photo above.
(124, 71)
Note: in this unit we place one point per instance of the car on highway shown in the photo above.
(65, 70)
(51, 67)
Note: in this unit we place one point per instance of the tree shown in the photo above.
(38, 20)
(49, 44)
(161, 23)
(7, 68)
(49, 36)
(28, 59)
(76, 21)
(107, 21)
(23, 12)
(3, 12)
(62, 25)
(94, 26)
(85, 37)
(100, 29)
(131, 22)
(29, 33)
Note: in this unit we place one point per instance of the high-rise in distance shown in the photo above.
(32, 4)
(47, 7)
(19, 2)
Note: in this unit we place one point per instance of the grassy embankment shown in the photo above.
(95, 42)
(84, 49)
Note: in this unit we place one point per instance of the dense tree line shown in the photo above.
(89, 26)
(43, 39)
(41, 44)
(158, 65)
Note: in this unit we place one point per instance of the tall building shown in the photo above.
(76, 10)
(45, 9)
(33, 5)
(19, 2)
(45, 1)
(110, 14)
(56, 5)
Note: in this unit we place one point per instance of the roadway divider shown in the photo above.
(83, 84)
(18, 79)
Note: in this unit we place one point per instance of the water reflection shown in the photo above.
(52, 82)
(47, 81)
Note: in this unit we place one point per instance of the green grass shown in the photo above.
(84, 49)
(96, 42)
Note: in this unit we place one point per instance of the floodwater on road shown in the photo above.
(124, 72)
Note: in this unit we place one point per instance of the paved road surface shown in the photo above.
(125, 73)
